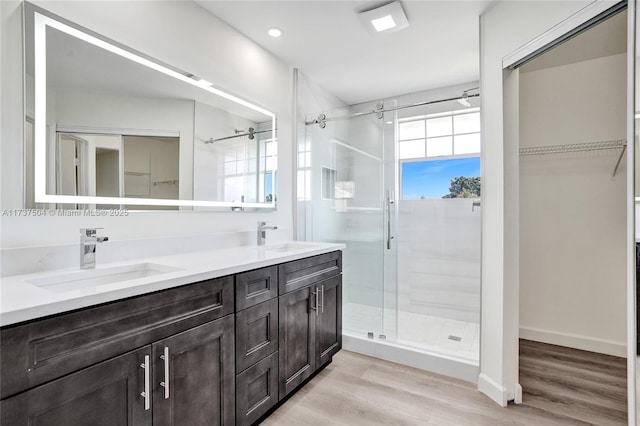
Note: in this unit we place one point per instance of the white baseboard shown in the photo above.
(575, 341)
(517, 397)
(493, 390)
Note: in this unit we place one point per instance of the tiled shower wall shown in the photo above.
(439, 258)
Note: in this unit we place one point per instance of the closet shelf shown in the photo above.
(579, 147)
(575, 147)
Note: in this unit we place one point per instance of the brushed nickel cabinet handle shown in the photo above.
(147, 383)
(316, 306)
(322, 305)
(165, 383)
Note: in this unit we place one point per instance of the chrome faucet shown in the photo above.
(88, 242)
(262, 234)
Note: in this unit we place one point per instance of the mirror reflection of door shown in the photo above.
(151, 169)
(71, 166)
(115, 165)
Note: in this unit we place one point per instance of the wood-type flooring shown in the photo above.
(561, 386)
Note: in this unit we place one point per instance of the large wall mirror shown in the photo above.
(108, 126)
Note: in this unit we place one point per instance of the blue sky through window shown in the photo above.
(268, 182)
(431, 179)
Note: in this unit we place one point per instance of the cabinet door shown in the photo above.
(297, 330)
(329, 320)
(194, 376)
(106, 394)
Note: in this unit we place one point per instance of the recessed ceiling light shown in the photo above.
(204, 83)
(387, 18)
(275, 32)
(384, 23)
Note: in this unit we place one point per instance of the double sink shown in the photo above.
(77, 280)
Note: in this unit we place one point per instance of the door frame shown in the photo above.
(582, 19)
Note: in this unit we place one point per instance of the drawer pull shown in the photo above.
(165, 384)
(147, 383)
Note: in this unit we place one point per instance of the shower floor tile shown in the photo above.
(419, 331)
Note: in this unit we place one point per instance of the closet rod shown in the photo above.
(574, 147)
(579, 147)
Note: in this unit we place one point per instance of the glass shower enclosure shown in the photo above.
(411, 268)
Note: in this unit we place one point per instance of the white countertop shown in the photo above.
(22, 301)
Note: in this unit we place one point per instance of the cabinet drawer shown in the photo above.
(255, 287)
(300, 273)
(256, 390)
(256, 333)
(42, 350)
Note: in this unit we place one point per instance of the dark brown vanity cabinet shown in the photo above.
(219, 352)
(164, 358)
(310, 317)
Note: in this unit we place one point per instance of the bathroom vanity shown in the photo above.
(226, 349)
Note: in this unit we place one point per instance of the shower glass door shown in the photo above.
(347, 206)
(402, 192)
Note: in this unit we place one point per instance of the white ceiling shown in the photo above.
(74, 65)
(327, 42)
(605, 39)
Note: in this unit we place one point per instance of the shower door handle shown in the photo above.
(389, 202)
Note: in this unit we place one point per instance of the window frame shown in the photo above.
(425, 117)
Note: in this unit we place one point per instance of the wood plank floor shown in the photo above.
(561, 387)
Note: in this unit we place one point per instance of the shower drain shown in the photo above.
(455, 338)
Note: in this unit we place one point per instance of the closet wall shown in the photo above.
(572, 213)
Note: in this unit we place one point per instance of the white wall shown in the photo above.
(11, 111)
(198, 43)
(505, 27)
(572, 214)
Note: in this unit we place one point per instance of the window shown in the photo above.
(269, 162)
(440, 155)
(250, 158)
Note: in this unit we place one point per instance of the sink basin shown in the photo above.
(282, 248)
(101, 276)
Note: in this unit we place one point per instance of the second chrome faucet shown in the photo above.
(262, 234)
(88, 242)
